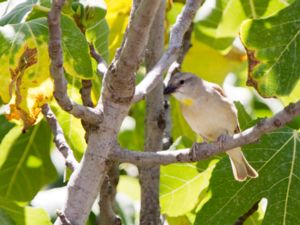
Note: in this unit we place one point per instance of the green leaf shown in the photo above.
(17, 14)
(220, 20)
(181, 185)
(5, 219)
(276, 159)
(89, 12)
(73, 131)
(274, 64)
(5, 127)
(77, 61)
(25, 164)
(245, 120)
(98, 36)
(89, 16)
(13, 214)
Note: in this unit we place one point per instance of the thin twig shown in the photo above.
(57, 71)
(200, 151)
(85, 91)
(241, 220)
(59, 138)
(102, 65)
(182, 24)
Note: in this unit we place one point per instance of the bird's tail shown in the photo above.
(240, 166)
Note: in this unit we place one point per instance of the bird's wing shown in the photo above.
(221, 92)
(218, 89)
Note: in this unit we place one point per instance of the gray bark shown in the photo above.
(154, 125)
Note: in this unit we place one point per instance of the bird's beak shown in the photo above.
(169, 89)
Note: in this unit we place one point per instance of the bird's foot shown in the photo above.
(221, 139)
(193, 151)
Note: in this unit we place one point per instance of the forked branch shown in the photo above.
(57, 71)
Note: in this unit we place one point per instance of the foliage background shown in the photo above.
(32, 172)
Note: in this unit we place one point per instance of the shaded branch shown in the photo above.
(154, 125)
(102, 66)
(57, 71)
(182, 24)
(241, 220)
(108, 197)
(59, 138)
(200, 151)
(85, 91)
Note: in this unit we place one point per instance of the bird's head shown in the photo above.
(183, 86)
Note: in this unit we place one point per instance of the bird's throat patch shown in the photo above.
(187, 101)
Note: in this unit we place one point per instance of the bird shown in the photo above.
(210, 114)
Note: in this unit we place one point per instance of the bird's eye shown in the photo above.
(181, 81)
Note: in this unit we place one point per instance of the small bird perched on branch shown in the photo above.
(210, 114)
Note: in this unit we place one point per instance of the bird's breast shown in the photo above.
(210, 119)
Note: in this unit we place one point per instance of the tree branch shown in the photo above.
(200, 151)
(102, 66)
(63, 218)
(182, 24)
(119, 82)
(59, 138)
(57, 71)
(107, 201)
(154, 125)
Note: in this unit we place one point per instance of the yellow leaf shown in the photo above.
(209, 64)
(26, 80)
(117, 17)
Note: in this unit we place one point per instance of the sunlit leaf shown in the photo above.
(117, 18)
(219, 21)
(25, 64)
(209, 64)
(181, 185)
(180, 220)
(25, 164)
(13, 214)
(72, 127)
(130, 187)
(274, 64)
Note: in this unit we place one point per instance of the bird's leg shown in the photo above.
(194, 147)
(222, 138)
